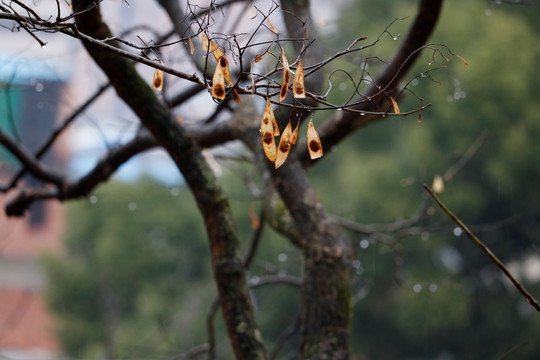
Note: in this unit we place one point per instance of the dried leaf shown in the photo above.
(438, 184)
(218, 84)
(286, 77)
(191, 47)
(274, 30)
(299, 88)
(157, 83)
(284, 146)
(267, 135)
(395, 105)
(269, 114)
(313, 142)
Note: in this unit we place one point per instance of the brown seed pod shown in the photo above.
(191, 47)
(218, 84)
(269, 115)
(395, 105)
(299, 88)
(224, 64)
(157, 82)
(267, 135)
(313, 142)
(286, 77)
(285, 143)
(274, 30)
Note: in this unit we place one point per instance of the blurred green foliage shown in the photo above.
(464, 311)
(136, 280)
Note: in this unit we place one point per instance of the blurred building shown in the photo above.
(30, 99)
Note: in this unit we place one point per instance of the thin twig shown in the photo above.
(528, 297)
(284, 337)
(514, 348)
(210, 329)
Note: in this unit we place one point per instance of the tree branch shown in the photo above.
(345, 123)
(227, 264)
(528, 297)
(30, 162)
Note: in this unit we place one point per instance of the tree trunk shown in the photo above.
(226, 262)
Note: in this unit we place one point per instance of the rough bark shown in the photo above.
(326, 292)
(214, 207)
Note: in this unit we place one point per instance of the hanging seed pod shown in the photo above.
(191, 47)
(395, 105)
(313, 142)
(224, 64)
(294, 136)
(218, 84)
(268, 131)
(286, 77)
(284, 146)
(269, 113)
(204, 42)
(215, 50)
(236, 97)
(274, 30)
(299, 88)
(157, 82)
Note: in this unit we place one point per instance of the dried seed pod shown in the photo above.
(274, 30)
(204, 42)
(215, 50)
(286, 77)
(438, 184)
(157, 83)
(395, 105)
(313, 142)
(269, 114)
(218, 84)
(252, 81)
(236, 97)
(284, 146)
(191, 47)
(299, 88)
(224, 64)
(267, 134)
(294, 136)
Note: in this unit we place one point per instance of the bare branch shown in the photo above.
(30, 162)
(345, 123)
(59, 130)
(528, 297)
